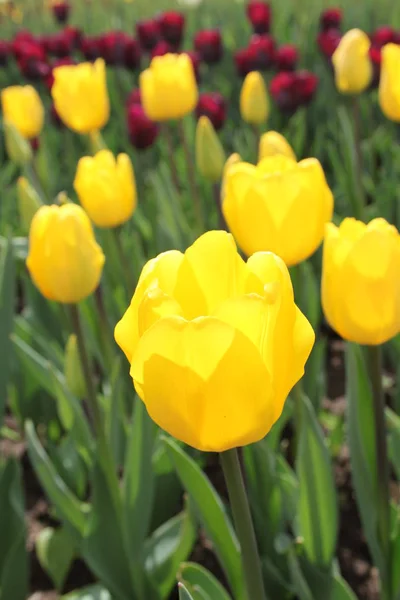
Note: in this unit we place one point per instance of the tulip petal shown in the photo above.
(204, 382)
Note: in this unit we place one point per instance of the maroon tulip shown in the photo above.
(59, 44)
(134, 97)
(75, 36)
(292, 90)
(328, 41)
(213, 106)
(148, 34)
(61, 62)
(162, 47)
(286, 57)
(331, 18)
(61, 11)
(208, 44)
(113, 46)
(142, 131)
(262, 52)
(375, 55)
(243, 61)
(90, 47)
(196, 62)
(382, 36)
(4, 52)
(171, 27)
(30, 56)
(132, 54)
(259, 14)
(33, 69)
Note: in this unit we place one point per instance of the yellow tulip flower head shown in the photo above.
(214, 345)
(389, 84)
(279, 206)
(80, 95)
(254, 102)
(64, 260)
(272, 143)
(23, 108)
(360, 280)
(106, 188)
(168, 87)
(352, 64)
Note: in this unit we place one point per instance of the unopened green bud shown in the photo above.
(29, 202)
(19, 150)
(73, 368)
(210, 155)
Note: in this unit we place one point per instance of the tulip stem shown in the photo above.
(256, 133)
(243, 524)
(374, 362)
(166, 129)
(126, 269)
(105, 333)
(218, 201)
(191, 177)
(360, 200)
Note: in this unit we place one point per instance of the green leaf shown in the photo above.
(139, 478)
(195, 576)
(70, 509)
(167, 548)
(361, 434)
(92, 592)
(211, 513)
(299, 581)
(183, 593)
(55, 549)
(317, 509)
(341, 590)
(7, 301)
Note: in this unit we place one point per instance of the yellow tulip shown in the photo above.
(279, 205)
(80, 95)
(214, 346)
(272, 143)
(254, 103)
(360, 280)
(351, 62)
(64, 260)
(168, 87)
(210, 155)
(23, 108)
(106, 188)
(389, 84)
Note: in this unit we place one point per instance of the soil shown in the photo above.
(354, 558)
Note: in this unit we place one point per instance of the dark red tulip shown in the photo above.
(75, 36)
(58, 44)
(290, 90)
(28, 48)
(134, 97)
(142, 131)
(113, 46)
(33, 69)
(196, 61)
(259, 14)
(22, 36)
(4, 52)
(286, 57)
(61, 11)
(162, 47)
(208, 44)
(383, 35)
(148, 34)
(262, 52)
(331, 18)
(243, 61)
(213, 106)
(132, 54)
(375, 55)
(328, 41)
(90, 47)
(171, 27)
(396, 39)
(61, 62)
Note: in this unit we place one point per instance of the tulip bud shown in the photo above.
(389, 92)
(73, 368)
(254, 103)
(29, 203)
(19, 150)
(272, 143)
(210, 155)
(351, 62)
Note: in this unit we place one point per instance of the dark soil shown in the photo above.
(354, 558)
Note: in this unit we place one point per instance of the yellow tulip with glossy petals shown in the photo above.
(106, 188)
(64, 260)
(254, 102)
(389, 83)
(168, 87)
(23, 108)
(80, 95)
(352, 64)
(214, 346)
(360, 280)
(279, 206)
(272, 143)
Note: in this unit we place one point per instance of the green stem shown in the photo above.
(191, 177)
(126, 267)
(360, 200)
(243, 524)
(256, 133)
(218, 201)
(167, 133)
(374, 361)
(105, 331)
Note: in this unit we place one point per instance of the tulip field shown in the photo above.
(199, 300)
